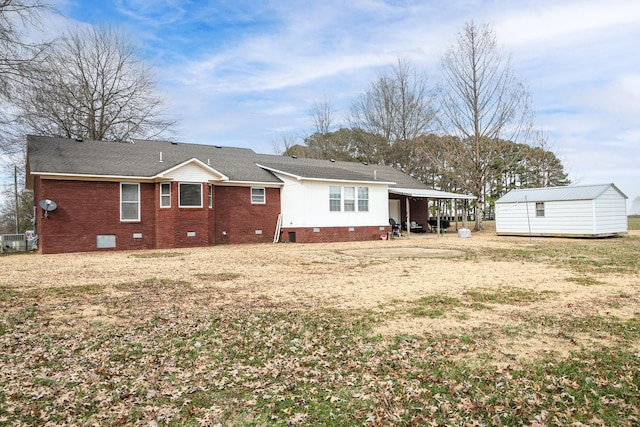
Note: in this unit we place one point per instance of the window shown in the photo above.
(190, 195)
(257, 195)
(363, 199)
(334, 199)
(165, 195)
(349, 199)
(210, 196)
(539, 208)
(129, 202)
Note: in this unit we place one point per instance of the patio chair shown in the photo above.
(417, 228)
(395, 228)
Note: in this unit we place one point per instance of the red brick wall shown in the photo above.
(239, 219)
(87, 209)
(166, 218)
(333, 234)
(175, 223)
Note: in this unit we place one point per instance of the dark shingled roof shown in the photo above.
(141, 158)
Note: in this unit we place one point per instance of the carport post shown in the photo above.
(438, 216)
(408, 223)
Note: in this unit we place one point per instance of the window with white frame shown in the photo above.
(539, 208)
(129, 201)
(165, 195)
(363, 199)
(349, 199)
(210, 196)
(190, 195)
(335, 198)
(258, 196)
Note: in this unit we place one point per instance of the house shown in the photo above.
(156, 194)
(575, 211)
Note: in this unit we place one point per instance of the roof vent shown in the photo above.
(161, 157)
(365, 163)
(217, 146)
(174, 143)
(208, 162)
(79, 140)
(294, 157)
(332, 160)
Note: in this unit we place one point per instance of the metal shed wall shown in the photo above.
(603, 216)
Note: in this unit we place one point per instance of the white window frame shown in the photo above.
(180, 205)
(163, 195)
(540, 209)
(132, 202)
(258, 199)
(332, 206)
(210, 196)
(363, 203)
(349, 202)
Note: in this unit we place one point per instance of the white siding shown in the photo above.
(604, 215)
(306, 204)
(610, 213)
(191, 173)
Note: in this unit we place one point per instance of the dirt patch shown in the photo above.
(404, 252)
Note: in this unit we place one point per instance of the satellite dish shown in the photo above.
(47, 206)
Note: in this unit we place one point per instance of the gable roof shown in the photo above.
(549, 194)
(144, 159)
(137, 159)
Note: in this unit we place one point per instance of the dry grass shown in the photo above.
(381, 332)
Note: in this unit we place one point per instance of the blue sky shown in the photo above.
(245, 73)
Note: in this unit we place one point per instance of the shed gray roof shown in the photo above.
(548, 194)
(141, 159)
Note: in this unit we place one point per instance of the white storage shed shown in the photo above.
(571, 211)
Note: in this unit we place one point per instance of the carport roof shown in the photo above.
(429, 194)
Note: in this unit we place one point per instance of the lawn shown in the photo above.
(421, 331)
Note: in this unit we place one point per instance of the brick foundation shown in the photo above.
(332, 234)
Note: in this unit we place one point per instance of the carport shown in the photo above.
(438, 197)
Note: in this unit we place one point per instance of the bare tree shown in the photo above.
(18, 56)
(286, 142)
(95, 88)
(482, 103)
(323, 116)
(399, 108)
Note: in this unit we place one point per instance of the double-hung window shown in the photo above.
(349, 199)
(258, 196)
(165, 195)
(363, 199)
(210, 196)
(190, 195)
(129, 201)
(539, 208)
(335, 199)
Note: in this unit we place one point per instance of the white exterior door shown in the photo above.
(394, 210)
